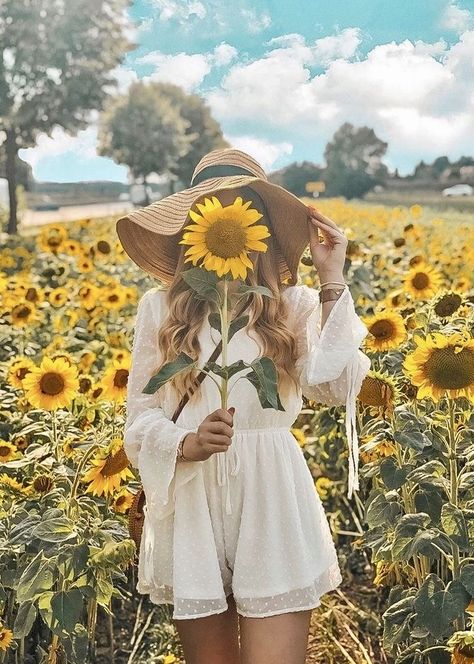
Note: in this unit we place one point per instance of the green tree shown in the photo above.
(55, 63)
(205, 131)
(295, 176)
(145, 130)
(354, 162)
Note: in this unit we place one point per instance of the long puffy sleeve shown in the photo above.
(330, 364)
(150, 437)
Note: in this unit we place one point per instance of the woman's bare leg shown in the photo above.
(275, 639)
(211, 640)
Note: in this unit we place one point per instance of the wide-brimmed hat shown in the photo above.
(150, 235)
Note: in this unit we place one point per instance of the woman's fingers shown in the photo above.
(323, 219)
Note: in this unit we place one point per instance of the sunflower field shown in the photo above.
(68, 296)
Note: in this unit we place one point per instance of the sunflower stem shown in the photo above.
(225, 338)
(55, 435)
(454, 494)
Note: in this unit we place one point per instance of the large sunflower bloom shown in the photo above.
(222, 236)
(52, 385)
(442, 366)
(100, 485)
(386, 331)
(422, 282)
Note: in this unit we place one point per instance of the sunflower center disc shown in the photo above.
(226, 238)
(421, 281)
(120, 378)
(52, 383)
(382, 329)
(449, 370)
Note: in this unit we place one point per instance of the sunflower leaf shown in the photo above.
(264, 378)
(167, 372)
(204, 283)
(228, 371)
(263, 290)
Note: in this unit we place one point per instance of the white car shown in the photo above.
(458, 190)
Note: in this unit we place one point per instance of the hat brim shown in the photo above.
(148, 235)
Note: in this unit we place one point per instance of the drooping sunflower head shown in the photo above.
(222, 236)
(378, 391)
(442, 366)
(447, 304)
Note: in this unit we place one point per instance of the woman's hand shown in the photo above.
(214, 434)
(329, 255)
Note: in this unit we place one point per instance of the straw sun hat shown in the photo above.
(150, 235)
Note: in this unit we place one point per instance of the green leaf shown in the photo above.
(25, 618)
(244, 289)
(427, 472)
(381, 511)
(58, 529)
(204, 283)
(429, 499)
(264, 378)
(181, 363)
(392, 475)
(35, 579)
(228, 371)
(435, 608)
(454, 525)
(67, 608)
(236, 324)
(467, 578)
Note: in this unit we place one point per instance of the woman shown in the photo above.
(235, 535)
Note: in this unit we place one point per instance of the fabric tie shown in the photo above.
(351, 430)
(223, 474)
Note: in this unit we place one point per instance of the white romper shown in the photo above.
(247, 521)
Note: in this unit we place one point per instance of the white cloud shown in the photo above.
(180, 10)
(417, 96)
(456, 19)
(265, 152)
(83, 145)
(255, 22)
(224, 54)
(187, 71)
(333, 47)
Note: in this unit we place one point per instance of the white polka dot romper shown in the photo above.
(247, 521)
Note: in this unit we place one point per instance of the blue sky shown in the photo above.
(282, 77)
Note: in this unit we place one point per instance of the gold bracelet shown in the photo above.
(338, 283)
(180, 454)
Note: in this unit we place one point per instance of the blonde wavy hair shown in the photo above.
(267, 316)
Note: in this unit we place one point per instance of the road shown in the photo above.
(74, 212)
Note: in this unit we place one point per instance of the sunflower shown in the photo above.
(422, 281)
(7, 451)
(386, 329)
(222, 236)
(6, 637)
(299, 435)
(52, 385)
(115, 379)
(23, 314)
(379, 391)
(100, 484)
(8, 483)
(323, 486)
(377, 450)
(447, 304)
(123, 501)
(461, 645)
(442, 366)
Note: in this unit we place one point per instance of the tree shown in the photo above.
(205, 131)
(145, 130)
(55, 63)
(295, 176)
(354, 162)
